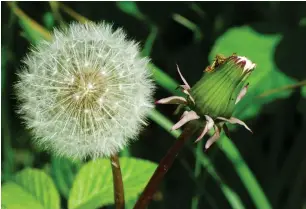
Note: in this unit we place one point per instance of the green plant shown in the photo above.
(237, 173)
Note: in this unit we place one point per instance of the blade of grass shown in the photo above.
(201, 191)
(8, 152)
(166, 124)
(72, 13)
(283, 88)
(54, 5)
(232, 197)
(246, 175)
(149, 42)
(197, 9)
(34, 31)
(131, 8)
(197, 172)
(197, 34)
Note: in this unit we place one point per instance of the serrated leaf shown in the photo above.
(63, 172)
(93, 186)
(259, 48)
(30, 189)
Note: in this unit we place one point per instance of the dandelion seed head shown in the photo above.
(82, 93)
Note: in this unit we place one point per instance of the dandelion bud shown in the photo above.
(87, 92)
(213, 98)
(217, 91)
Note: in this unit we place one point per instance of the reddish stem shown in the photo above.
(162, 168)
(118, 183)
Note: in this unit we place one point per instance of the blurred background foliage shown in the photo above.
(264, 170)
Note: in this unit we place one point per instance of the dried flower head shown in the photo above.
(214, 97)
(87, 92)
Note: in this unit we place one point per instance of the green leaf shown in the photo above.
(63, 171)
(260, 49)
(93, 186)
(30, 189)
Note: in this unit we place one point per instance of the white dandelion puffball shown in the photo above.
(86, 93)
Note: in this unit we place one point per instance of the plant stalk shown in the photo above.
(163, 167)
(118, 183)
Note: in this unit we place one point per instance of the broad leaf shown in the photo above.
(30, 189)
(93, 186)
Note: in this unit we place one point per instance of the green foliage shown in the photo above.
(30, 189)
(93, 186)
(214, 30)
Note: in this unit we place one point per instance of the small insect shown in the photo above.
(219, 60)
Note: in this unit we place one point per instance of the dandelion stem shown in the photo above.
(163, 167)
(118, 183)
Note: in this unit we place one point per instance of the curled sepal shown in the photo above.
(242, 93)
(187, 116)
(184, 114)
(172, 100)
(214, 138)
(233, 120)
(186, 85)
(209, 124)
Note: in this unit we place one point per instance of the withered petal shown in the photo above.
(233, 120)
(242, 93)
(172, 100)
(192, 115)
(209, 124)
(214, 138)
(183, 79)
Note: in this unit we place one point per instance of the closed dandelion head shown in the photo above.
(86, 93)
(214, 97)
